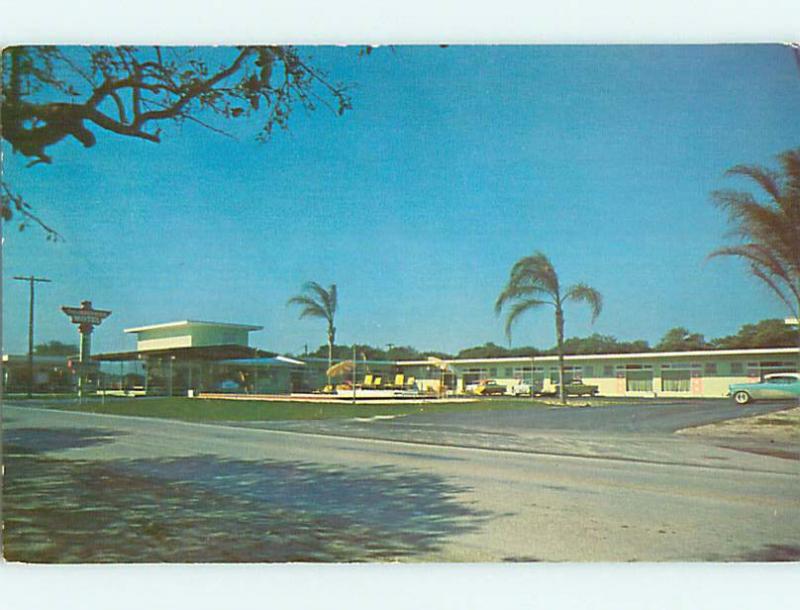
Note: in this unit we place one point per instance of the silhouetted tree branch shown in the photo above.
(50, 93)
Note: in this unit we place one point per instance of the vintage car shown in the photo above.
(520, 388)
(774, 386)
(489, 387)
(578, 388)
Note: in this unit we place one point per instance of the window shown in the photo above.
(571, 374)
(588, 371)
(737, 368)
(608, 370)
(638, 378)
(474, 375)
(508, 373)
(525, 374)
(493, 372)
(710, 368)
(765, 367)
(676, 380)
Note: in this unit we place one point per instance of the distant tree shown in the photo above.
(602, 344)
(679, 339)
(52, 93)
(533, 282)
(401, 352)
(371, 353)
(768, 231)
(523, 352)
(317, 302)
(488, 350)
(767, 333)
(434, 354)
(55, 348)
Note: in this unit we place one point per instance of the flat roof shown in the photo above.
(617, 356)
(202, 352)
(48, 359)
(282, 360)
(138, 329)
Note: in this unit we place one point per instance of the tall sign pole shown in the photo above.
(32, 282)
(86, 317)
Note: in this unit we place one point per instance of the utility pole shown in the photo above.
(32, 282)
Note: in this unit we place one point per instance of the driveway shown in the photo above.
(82, 487)
(628, 417)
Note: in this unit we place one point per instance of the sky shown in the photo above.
(453, 163)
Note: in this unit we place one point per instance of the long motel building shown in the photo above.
(706, 373)
(192, 356)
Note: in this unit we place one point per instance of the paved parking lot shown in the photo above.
(83, 487)
(664, 416)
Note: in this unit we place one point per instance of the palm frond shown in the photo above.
(512, 292)
(311, 309)
(586, 294)
(770, 281)
(322, 296)
(536, 270)
(518, 308)
(333, 298)
(530, 276)
(317, 301)
(765, 178)
(765, 266)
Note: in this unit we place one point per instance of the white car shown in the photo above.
(520, 388)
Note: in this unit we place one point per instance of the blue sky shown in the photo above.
(453, 163)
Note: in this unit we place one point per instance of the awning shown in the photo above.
(206, 352)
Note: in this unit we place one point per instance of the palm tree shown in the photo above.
(768, 232)
(319, 303)
(534, 282)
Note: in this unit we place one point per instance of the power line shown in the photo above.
(32, 280)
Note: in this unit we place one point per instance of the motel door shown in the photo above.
(697, 382)
(621, 385)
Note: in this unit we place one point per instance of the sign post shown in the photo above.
(86, 317)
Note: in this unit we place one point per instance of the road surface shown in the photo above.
(83, 487)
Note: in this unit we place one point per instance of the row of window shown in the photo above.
(679, 370)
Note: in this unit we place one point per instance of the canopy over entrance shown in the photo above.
(205, 352)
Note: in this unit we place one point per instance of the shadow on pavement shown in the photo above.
(56, 439)
(207, 509)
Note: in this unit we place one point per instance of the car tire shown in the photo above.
(741, 397)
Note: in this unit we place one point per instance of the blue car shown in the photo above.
(775, 386)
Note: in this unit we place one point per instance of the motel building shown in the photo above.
(191, 357)
(197, 356)
(706, 373)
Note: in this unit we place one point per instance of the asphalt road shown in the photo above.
(647, 417)
(83, 487)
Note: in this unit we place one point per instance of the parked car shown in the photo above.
(578, 388)
(489, 387)
(520, 388)
(776, 385)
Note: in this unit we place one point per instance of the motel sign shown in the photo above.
(86, 317)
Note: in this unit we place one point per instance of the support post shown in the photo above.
(354, 373)
(31, 281)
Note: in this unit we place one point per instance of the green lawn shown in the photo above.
(199, 410)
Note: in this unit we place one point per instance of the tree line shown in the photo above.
(766, 333)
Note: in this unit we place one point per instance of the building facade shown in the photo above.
(176, 357)
(706, 373)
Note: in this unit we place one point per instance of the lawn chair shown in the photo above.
(367, 381)
(399, 381)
